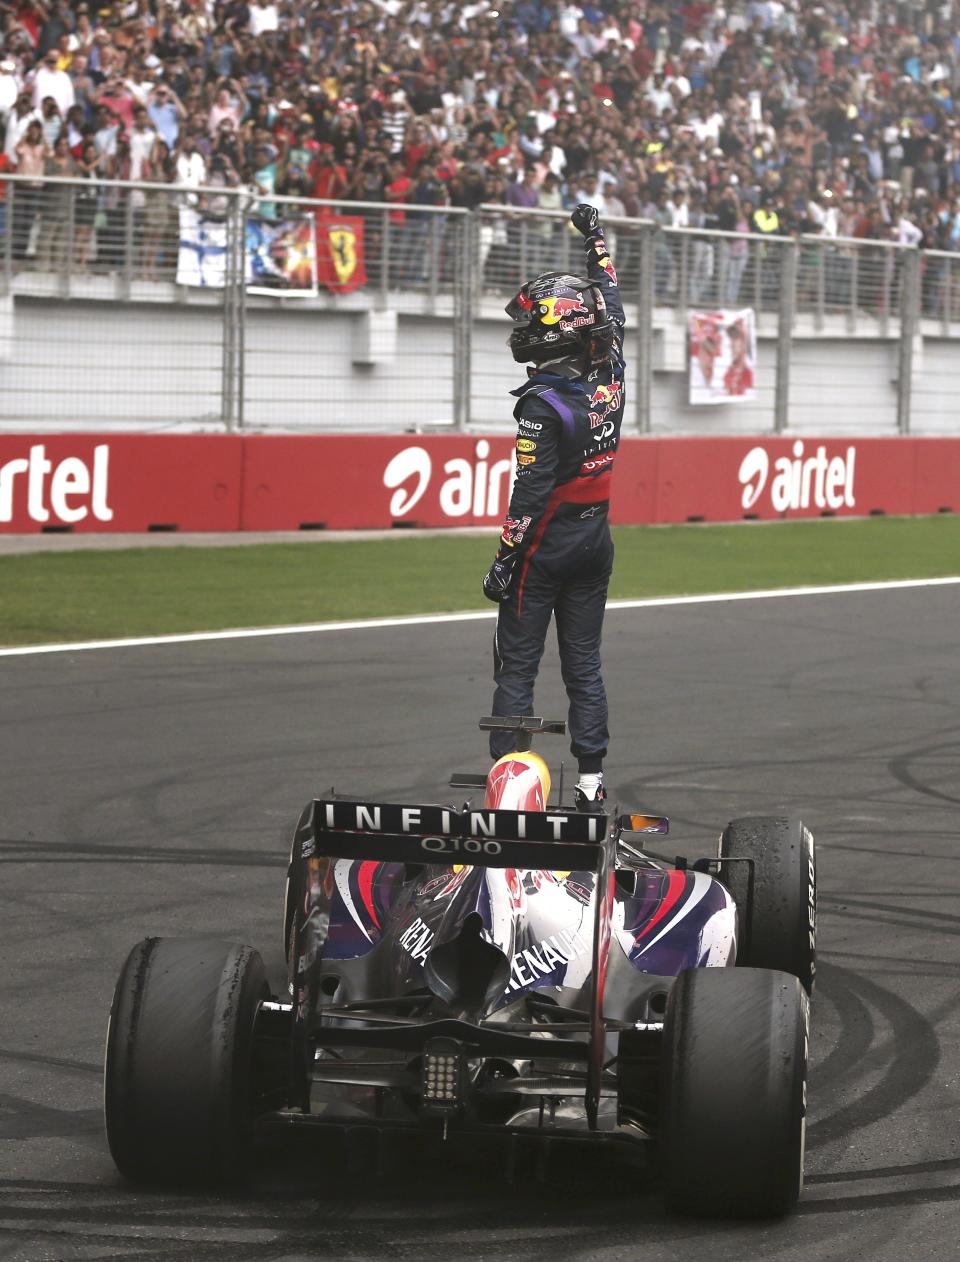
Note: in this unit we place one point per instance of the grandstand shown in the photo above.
(452, 137)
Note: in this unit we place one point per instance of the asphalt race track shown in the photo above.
(152, 790)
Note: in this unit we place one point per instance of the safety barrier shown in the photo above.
(138, 482)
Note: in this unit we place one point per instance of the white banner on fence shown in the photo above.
(202, 259)
(279, 257)
(723, 356)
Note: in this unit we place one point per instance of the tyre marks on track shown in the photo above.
(883, 1053)
(906, 1057)
(905, 771)
(22, 851)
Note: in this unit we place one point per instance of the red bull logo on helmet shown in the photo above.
(553, 310)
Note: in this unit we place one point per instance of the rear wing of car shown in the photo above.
(552, 840)
(559, 841)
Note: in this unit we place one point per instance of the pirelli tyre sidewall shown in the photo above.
(178, 1083)
(777, 920)
(733, 1092)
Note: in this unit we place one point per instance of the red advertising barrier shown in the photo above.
(137, 482)
(724, 479)
(373, 480)
(106, 482)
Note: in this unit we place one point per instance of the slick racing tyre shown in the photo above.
(775, 894)
(733, 1092)
(179, 1077)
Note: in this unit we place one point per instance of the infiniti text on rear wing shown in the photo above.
(555, 840)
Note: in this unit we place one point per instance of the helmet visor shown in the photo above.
(521, 306)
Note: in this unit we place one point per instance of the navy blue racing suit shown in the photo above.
(568, 431)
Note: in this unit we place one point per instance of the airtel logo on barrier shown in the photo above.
(469, 487)
(798, 482)
(74, 489)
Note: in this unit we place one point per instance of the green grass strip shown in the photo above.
(52, 597)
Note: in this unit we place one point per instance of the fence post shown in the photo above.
(645, 298)
(683, 280)
(459, 280)
(239, 212)
(128, 238)
(385, 260)
(945, 304)
(435, 234)
(854, 288)
(67, 273)
(785, 318)
(226, 350)
(231, 369)
(909, 293)
(464, 296)
(8, 237)
(890, 262)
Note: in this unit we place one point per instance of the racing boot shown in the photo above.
(590, 795)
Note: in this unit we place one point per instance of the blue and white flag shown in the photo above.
(202, 260)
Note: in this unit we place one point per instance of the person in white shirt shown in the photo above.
(49, 81)
(824, 214)
(570, 16)
(142, 139)
(18, 120)
(191, 170)
(9, 86)
(680, 82)
(589, 193)
(678, 210)
(908, 233)
(658, 94)
(263, 17)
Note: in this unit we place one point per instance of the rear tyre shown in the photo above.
(733, 1092)
(179, 1089)
(777, 919)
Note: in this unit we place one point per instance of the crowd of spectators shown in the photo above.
(761, 116)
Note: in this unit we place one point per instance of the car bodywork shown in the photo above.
(539, 943)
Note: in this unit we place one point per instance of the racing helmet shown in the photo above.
(558, 315)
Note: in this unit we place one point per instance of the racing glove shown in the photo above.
(497, 580)
(586, 220)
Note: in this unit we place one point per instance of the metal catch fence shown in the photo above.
(154, 304)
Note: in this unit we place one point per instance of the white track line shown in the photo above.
(420, 620)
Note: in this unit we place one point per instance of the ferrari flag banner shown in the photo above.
(282, 257)
(340, 251)
(723, 356)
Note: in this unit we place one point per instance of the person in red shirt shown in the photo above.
(399, 188)
(416, 149)
(329, 178)
(117, 98)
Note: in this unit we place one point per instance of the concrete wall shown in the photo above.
(334, 364)
(936, 386)
(845, 386)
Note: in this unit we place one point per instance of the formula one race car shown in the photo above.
(512, 969)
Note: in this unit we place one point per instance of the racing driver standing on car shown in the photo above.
(555, 553)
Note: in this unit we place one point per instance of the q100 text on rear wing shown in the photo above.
(556, 840)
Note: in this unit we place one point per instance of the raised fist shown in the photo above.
(586, 219)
